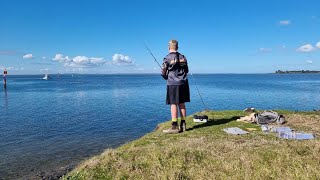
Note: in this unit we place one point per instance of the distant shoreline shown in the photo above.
(297, 72)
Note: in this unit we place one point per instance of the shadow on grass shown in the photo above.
(213, 122)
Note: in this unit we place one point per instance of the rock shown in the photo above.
(158, 126)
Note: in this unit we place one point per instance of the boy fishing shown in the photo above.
(175, 70)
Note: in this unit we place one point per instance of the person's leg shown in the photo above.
(183, 112)
(171, 99)
(174, 115)
(174, 119)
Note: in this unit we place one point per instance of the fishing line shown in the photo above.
(205, 108)
(195, 82)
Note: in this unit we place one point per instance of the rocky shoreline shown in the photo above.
(53, 174)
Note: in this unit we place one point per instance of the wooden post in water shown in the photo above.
(5, 72)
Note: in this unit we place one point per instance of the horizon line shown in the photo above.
(126, 73)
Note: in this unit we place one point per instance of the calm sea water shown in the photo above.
(47, 125)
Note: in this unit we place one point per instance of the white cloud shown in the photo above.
(44, 57)
(60, 58)
(119, 59)
(8, 52)
(28, 56)
(265, 50)
(44, 70)
(97, 61)
(285, 22)
(79, 61)
(318, 45)
(85, 62)
(309, 62)
(10, 68)
(306, 48)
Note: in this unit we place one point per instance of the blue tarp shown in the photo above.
(281, 129)
(295, 136)
(287, 133)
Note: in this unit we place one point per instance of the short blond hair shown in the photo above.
(173, 44)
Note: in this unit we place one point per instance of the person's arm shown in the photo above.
(184, 64)
(164, 69)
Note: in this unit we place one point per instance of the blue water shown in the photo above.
(47, 125)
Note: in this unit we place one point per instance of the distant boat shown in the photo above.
(46, 77)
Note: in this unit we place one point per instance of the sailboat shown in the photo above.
(46, 77)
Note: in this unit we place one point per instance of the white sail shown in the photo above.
(46, 77)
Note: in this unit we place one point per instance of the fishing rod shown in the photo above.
(205, 108)
(152, 55)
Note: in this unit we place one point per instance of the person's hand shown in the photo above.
(164, 71)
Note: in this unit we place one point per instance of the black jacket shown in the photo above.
(175, 69)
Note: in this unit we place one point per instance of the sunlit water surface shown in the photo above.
(47, 125)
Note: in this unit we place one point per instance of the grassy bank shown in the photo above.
(206, 152)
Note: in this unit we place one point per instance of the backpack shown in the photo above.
(267, 117)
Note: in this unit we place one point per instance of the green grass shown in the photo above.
(206, 152)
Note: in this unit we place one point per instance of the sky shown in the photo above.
(107, 37)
